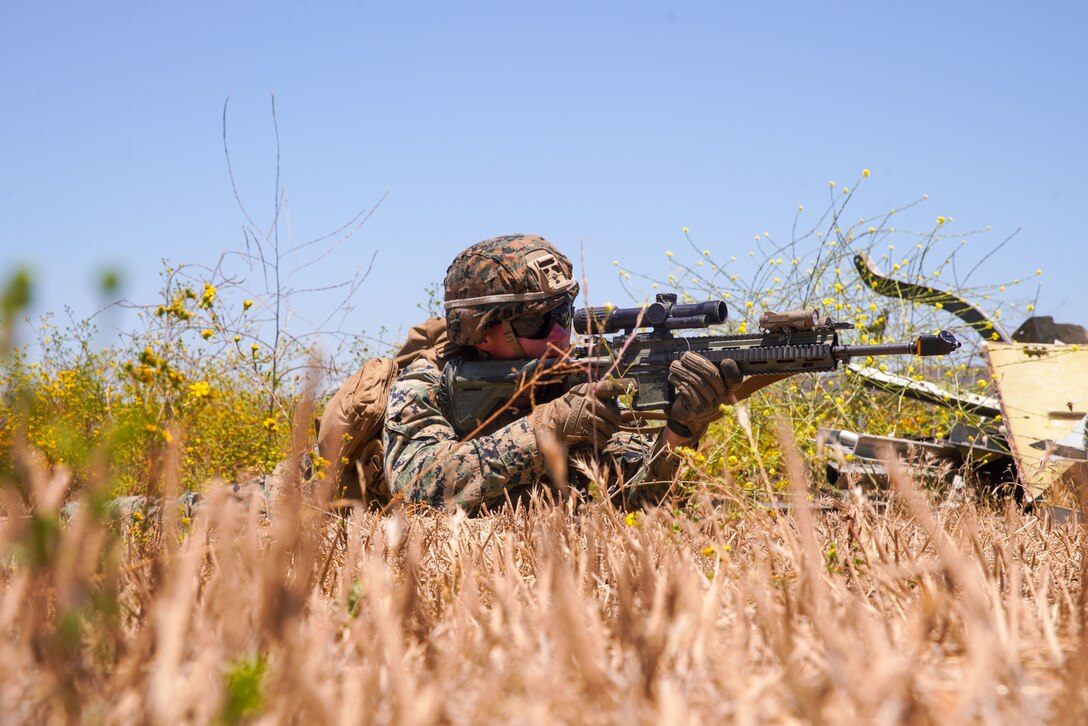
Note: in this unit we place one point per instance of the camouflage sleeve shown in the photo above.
(647, 469)
(425, 462)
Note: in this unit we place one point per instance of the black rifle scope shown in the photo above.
(663, 314)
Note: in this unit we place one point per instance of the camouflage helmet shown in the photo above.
(501, 279)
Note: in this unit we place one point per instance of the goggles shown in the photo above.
(538, 327)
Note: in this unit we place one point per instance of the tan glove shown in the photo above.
(585, 413)
(701, 388)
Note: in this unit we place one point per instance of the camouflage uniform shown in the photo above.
(426, 462)
(262, 490)
(425, 459)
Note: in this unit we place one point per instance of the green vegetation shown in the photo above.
(215, 367)
(121, 407)
(718, 609)
(815, 267)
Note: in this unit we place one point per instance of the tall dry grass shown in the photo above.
(550, 613)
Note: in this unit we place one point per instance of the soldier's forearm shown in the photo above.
(671, 439)
(447, 473)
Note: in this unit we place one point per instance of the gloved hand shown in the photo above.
(584, 413)
(701, 388)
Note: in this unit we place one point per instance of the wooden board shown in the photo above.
(1044, 395)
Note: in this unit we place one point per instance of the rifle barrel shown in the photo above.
(942, 343)
(846, 352)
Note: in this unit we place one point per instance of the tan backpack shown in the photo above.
(349, 432)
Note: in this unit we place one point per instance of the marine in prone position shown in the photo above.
(511, 298)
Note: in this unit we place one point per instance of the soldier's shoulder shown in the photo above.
(417, 384)
(420, 370)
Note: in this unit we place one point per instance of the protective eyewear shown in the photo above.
(538, 327)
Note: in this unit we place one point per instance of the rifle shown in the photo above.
(797, 341)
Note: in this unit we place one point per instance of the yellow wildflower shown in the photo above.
(208, 297)
(200, 390)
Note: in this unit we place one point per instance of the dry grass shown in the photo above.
(719, 612)
(551, 613)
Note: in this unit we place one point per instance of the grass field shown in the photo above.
(717, 609)
(552, 613)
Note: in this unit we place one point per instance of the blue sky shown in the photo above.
(604, 126)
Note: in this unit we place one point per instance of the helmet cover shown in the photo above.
(504, 278)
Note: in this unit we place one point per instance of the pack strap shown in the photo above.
(512, 339)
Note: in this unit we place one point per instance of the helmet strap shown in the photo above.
(515, 344)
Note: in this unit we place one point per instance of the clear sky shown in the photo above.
(603, 126)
